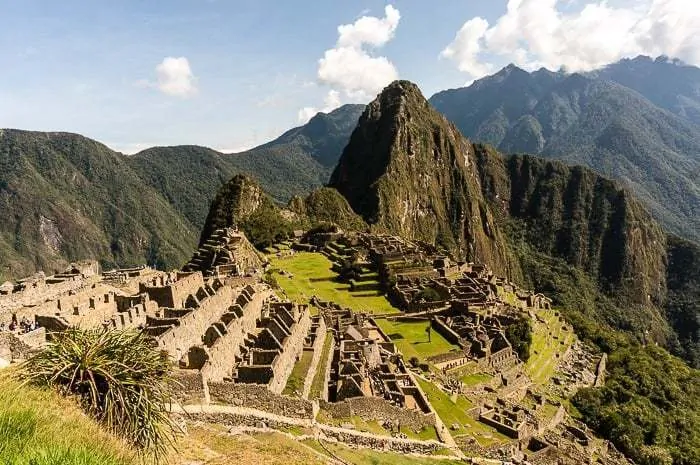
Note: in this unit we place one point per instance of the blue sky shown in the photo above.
(234, 74)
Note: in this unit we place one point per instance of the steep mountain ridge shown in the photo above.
(295, 163)
(64, 197)
(407, 170)
(668, 83)
(591, 121)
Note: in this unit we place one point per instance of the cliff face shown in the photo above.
(242, 203)
(408, 171)
(574, 214)
(554, 227)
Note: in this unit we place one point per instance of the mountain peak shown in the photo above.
(409, 171)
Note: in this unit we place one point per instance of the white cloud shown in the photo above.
(330, 103)
(351, 69)
(175, 77)
(129, 148)
(535, 33)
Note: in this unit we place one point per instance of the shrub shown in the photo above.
(118, 378)
(519, 335)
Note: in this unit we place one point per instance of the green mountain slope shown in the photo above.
(563, 230)
(295, 163)
(669, 84)
(65, 197)
(590, 121)
(409, 171)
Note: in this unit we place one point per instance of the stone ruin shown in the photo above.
(226, 252)
(366, 363)
(269, 353)
(508, 419)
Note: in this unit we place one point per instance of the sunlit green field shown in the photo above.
(455, 412)
(295, 383)
(411, 338)
(312, 275)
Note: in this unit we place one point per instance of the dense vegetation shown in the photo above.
(667, 83)
(519, 335)
(604, 125)
(295, 163)
(648, 407)
(683, 302)
(64, 197)
(119, 379)
(40, 427)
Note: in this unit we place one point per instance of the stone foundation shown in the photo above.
(259, 397)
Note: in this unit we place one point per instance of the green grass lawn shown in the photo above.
(312, 275)
(412, 339)
(319, 378)
(455, 412)
(473, 379)
(543, 360)
(39, 427)
(295, 383)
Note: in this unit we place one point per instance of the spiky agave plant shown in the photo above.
(118, 377)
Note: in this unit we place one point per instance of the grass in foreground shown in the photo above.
(120, 379)
(207, 444)
(312, 275)
(412, 339)
(39, 427)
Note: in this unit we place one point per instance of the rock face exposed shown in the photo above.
(237, 201)
(408, 171)
(608, 126)
(574, 214)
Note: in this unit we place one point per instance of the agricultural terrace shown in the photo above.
(452, 410)
(307, 274)
(549, 343)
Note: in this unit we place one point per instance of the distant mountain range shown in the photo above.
(635, 121)
(645, 135)
(65, 197)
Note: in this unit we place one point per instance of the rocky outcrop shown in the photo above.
(408, 171)
(551, 226)
(326, 205)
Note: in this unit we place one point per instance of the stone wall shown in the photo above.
(381, 443)
(20, 346)
(223, 352)
(327, 370)
(23, 302)
(293, 346)
(177, 340)
(175, 294)
(378, 409)
(188, 386)
(260, 420)
(259, 397)
(318, 352)
(446, 332)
